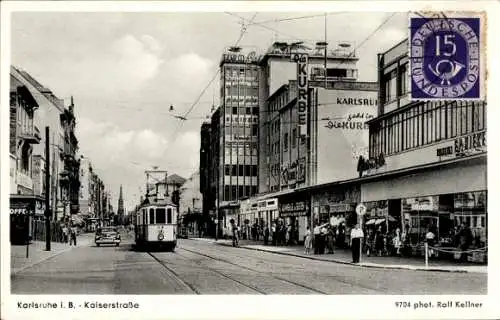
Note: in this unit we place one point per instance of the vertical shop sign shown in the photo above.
(302, 90)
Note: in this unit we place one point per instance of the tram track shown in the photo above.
(256, 271)
(333, 277)
(174, 274)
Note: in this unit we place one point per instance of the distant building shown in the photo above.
(190, 201)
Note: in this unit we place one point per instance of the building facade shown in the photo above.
(238, 126)
(277, 70)
(25, 203)
(427, 161)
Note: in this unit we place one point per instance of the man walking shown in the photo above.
(356, 237)
(72, 235)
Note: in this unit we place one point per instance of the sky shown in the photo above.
(125, 70)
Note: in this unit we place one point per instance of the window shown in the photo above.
(389, 84)
(151, 216)
(285, 141)
(160, 215)
(240, 191)
(233, 193)
(294, 137)
(335, 72)
(226, 193)
(233, 170)
(402, 79)
(235, 110)
(255, 110)
(169, 215)
(255, 129)
(240, 170)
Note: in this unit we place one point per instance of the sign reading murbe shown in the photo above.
(302, 90)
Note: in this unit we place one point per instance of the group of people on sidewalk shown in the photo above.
(69, 233)
(326, 236)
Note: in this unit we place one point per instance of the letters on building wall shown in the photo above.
(302, 90)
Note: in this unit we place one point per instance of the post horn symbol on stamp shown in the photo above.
(445, 57)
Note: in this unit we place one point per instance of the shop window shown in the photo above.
(420, 216)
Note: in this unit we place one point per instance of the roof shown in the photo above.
(174, 179)
(164, 202)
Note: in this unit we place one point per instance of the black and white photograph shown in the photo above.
(247, 150)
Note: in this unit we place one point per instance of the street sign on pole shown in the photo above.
(361, 209)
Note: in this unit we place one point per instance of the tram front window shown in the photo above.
(160, 215)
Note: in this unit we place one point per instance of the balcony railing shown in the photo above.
(24, 180)
(31, 134)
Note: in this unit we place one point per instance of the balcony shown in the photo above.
(24, 180)
(31, 135)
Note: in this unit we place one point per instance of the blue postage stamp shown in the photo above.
(446, 60)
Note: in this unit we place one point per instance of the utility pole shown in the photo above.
(47, 189)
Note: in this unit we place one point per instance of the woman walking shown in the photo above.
(307, 241)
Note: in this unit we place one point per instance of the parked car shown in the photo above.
(107, 235)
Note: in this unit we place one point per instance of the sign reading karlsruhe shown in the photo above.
(302, 90)
(342, 127)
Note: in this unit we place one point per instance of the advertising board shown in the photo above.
(342, 131)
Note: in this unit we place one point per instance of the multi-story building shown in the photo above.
(190, 202)
(70, 176)
(427, 160)
(25, 203)
(85, 187)
(208, 197)
(238, 137)
(277, 70)
(62, 147)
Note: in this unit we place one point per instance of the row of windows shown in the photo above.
(279, 102)
(240, 151)
(250, 73)
(239, 91)
(294, 139)
(232, 193)
(157, 216)
(242, 130)
(240, 170)
(427, 123)
(242, 110)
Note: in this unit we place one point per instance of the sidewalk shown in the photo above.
(345, 257)
(37, 253)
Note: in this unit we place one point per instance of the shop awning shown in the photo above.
(379, 221)
(371, 221)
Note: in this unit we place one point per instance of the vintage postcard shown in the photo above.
(330, 155)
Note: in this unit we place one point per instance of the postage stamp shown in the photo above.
(446, 56)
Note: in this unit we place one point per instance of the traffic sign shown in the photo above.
(361, 209)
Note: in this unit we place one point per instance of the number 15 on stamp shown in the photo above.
(447, 56)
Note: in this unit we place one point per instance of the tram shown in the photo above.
(156, 225)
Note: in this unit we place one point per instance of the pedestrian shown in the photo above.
(73, 235)
(379, 242)
(273, 233)
(316, 231)
(266, 236)
(331, 240)
(465, 238)
(356, 237)
(397, 242)
(65, 233)
(307, 241)
(323, 233)
(429, 238)
(341, 236)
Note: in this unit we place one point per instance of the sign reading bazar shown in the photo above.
(302, 90)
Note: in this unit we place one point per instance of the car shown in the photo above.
(107, 235)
